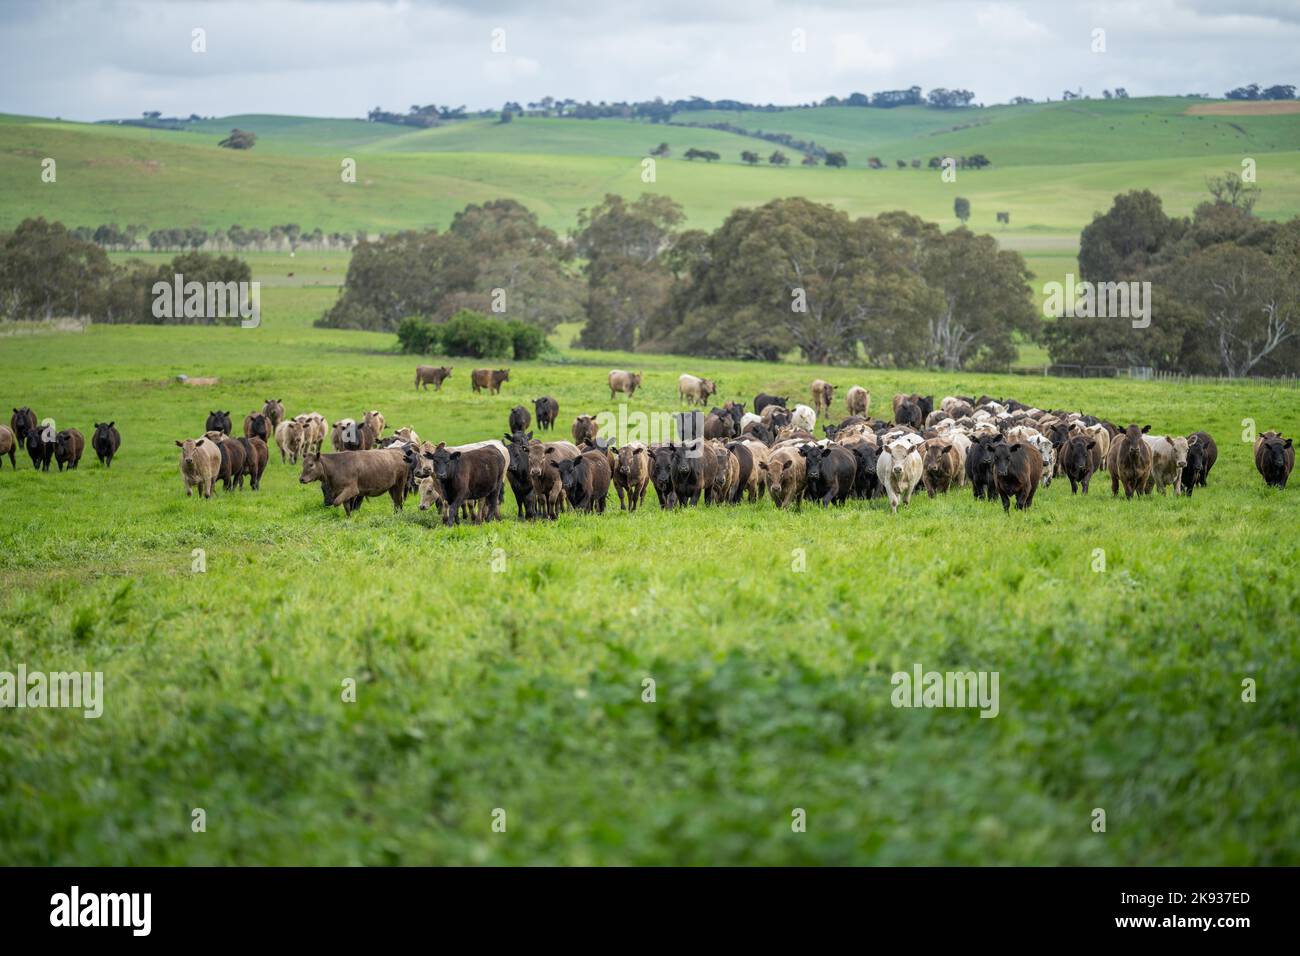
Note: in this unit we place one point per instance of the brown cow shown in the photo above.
(200, 462)
(586, 480)
(625, 382)
(786, 472)
(424, 374)
(233, 460)
(68, 446)
(1129, 462)
(631, 475)
(822, 395)
(727, 477)
(1017, 473)
(942, 466)
(750, 455)
(467, 475)
(548, 492)
(274, 410)
(255, 456)
(256, 423)
(490, 379)
(8, 445)
(584, 429)
(347, 477)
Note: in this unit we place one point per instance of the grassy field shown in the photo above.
(1054, 166)
(521, 689)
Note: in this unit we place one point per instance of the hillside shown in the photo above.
(1054, 165)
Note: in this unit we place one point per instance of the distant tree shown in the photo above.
(873, 162)
(809, 160)
(749, 157)
(779, 158)
(506, 116)
(1279, 92)
(836, 160)
(1232, 190)
(1121, 93)
(661, 150)
(961, 209)
(239, 139)
(902, 163)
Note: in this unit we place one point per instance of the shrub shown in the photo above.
(529, 340)
(417, 336)
(476, 335)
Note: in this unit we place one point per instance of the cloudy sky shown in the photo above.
(115, 58)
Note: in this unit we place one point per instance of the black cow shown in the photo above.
(218, 422)
(661, 475)
(519, 419)
(1274, 459)
(979, 465)
(1017, 471)
(866, 483)
(1077, 459)
(694, 470)
(1202, 453)
(547, 409)
(909, 413)
(762, 400)
(830, 473)
(521, 483)
(106, 441)
(40, 445)
(586, 480)
(467, 475)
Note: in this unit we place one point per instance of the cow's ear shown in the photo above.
(179, 444)
(1287, 443)
(762, 465)
(454, 455)
(529, 436)
(1092, 445)
(1145, 429)
(509, 437)
(111, 424)
(199, 442)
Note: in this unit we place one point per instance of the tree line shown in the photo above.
(288, 236)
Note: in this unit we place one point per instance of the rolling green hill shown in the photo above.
(1054, 166)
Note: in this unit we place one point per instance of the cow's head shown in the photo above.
(430, 494)
(1180, 448)
(1273, 453)
(103, 431)
(190, 452)
(1006, 458)
(312, 469)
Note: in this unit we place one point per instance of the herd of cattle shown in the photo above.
(45, 443)
(1000, 448)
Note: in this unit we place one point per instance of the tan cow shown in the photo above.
(625, 382)
(314, 430)
(694, 390)
(1168, 459)
(490, 379)
(786, 474)
(200, 462)
(375, 421)
(899, 469)
(631, 475)
(857, 400)
(8, 444)
(822, 395)
(289, 437)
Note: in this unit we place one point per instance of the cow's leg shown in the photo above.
(346, 493)
(1114, 483)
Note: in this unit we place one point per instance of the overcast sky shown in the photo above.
(96, 60)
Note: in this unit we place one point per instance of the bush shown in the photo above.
(476, 335)
(417, 336)
(529, 340)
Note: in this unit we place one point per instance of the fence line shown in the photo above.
(1148, 374)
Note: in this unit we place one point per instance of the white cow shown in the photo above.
(899, 468)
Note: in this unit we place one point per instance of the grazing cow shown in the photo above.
(274, 411)
(625, 382)
(941, 466)
(547, 409)
(68, 446)
(234, 460)
(40, 445)
(1129, 462)
(548, 492)
(257, 425)
(218, 422)
(822, 395)
(1017, 472)
(762, 400)
(584, 430)
(520, 419)
(375, 421)
(1202, 453)
(1168, 459)
(695, 391)
(803, 418)
(787, 472)
(289, 437)
(490, 379)
(694, 471)
(1274, 459)
(909, 413)
(22, 423)
(200, 462)
(519, 444)
(661, 475)
(1079, 458)
(857, 400)
(585, 480)
(830, 471)
(899, 468)
(424, 374)
(106, 441)
(8, 446)
(631, 475)
(349, 477)
(431, 495)
(255, 457)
